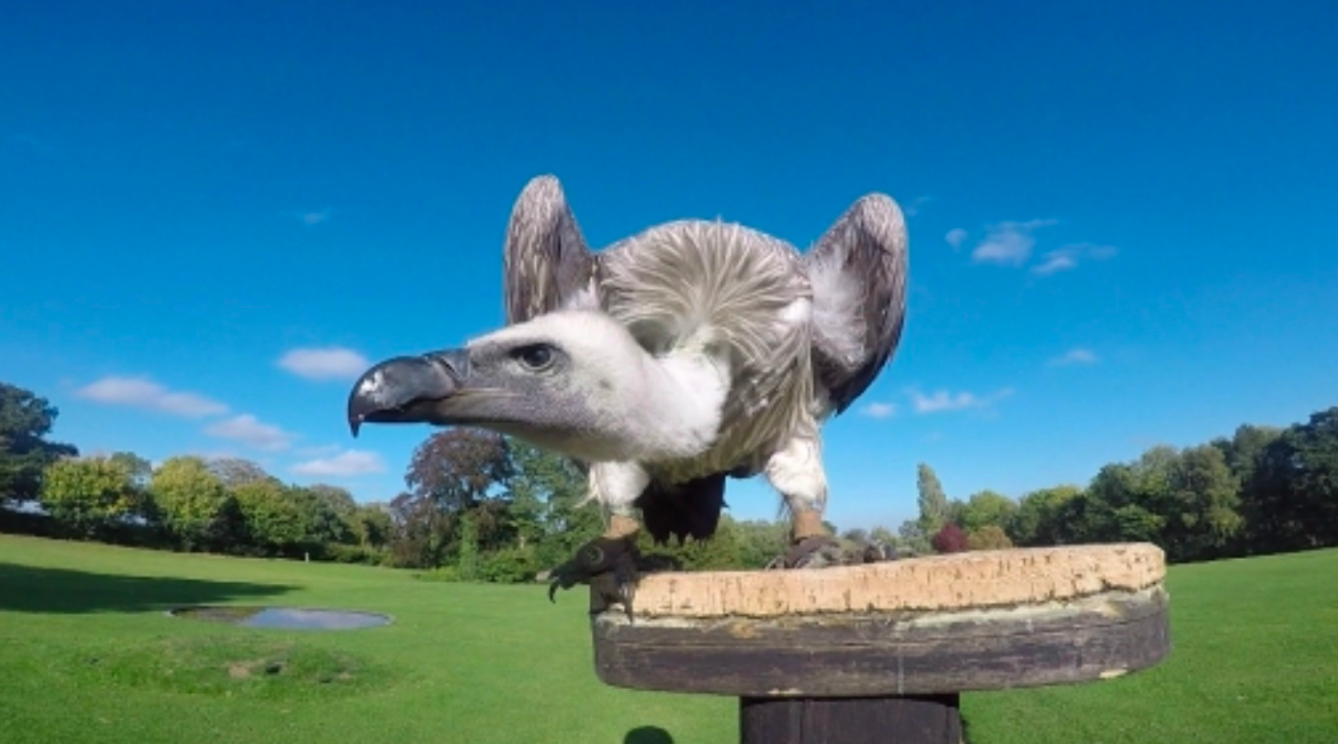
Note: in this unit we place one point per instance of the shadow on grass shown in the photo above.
(648, 735)
(59, 590)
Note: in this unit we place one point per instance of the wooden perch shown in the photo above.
(885, 632)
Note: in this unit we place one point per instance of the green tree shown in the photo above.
(989, 537)
(884, 537)
(1129, 502)
(322, 510)
(547, 504)
(856, 536)
(760, 541)
(340, 503)
(984, 509)
(1040, 518)
(468, 563)
(1204, 498)
(272, 521)
(236, 471)
(1293, 497)
(373, 525)
(1246, 447)
(934, 508)
(139, 469)
(90, 497)
(25, 422)
(914, 539)
(197, 511)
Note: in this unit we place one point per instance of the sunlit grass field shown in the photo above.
(87, 654)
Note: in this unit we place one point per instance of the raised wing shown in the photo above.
(547, 264)
(858, 272)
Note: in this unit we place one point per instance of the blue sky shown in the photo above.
(1121, 215)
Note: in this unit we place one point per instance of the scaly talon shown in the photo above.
(817, 551)
(608, 565)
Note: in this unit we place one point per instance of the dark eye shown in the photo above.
(535, 356)
(593, 555)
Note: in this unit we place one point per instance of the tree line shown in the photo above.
(1262, 490)
(479, 506)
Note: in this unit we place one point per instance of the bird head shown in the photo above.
(566, 381)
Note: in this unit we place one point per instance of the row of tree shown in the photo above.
(483, 507)
(186, 503)
(1262, 490)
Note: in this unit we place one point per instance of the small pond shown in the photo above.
(285, 618)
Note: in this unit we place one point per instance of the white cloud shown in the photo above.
(312, 219)
(344, 465)
(1054, 262)
(879, 410)
(1009, 243)
(943, 400)
(142, 392)
(1069, 256)
(1075, 356)
(324, 363)
(249, 430)
(913, 208)
(956, 237)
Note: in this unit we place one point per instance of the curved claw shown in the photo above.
(818, 551)
(626, 593)
(608, 565)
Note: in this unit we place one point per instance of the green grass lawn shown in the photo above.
(87, 654)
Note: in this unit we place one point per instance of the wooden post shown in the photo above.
(880, 652)
(879, 720)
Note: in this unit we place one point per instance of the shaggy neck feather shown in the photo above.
(675, 407)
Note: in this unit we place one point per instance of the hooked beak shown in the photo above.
(405, 389)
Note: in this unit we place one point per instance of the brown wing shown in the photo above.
(547, 264)
(858, 271)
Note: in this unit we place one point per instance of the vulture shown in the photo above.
(666, 362)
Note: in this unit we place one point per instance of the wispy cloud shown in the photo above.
(143, 392)
(944, 400)
(327, 363)
(1075, 356)
(344, 465)
(250, 431)
(1069, 256)
(318, 450)
(956, 237)
(879, 410)
(915, 205)
(1009, 243)
(218, 454)
(311, 219)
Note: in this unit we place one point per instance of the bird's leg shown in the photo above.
(608, 562)
(796, 471)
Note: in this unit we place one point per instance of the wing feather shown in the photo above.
(546, 262)
(858, 271)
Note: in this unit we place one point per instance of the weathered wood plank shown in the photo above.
(1102, 637)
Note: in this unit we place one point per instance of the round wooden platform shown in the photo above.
(942, 624)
